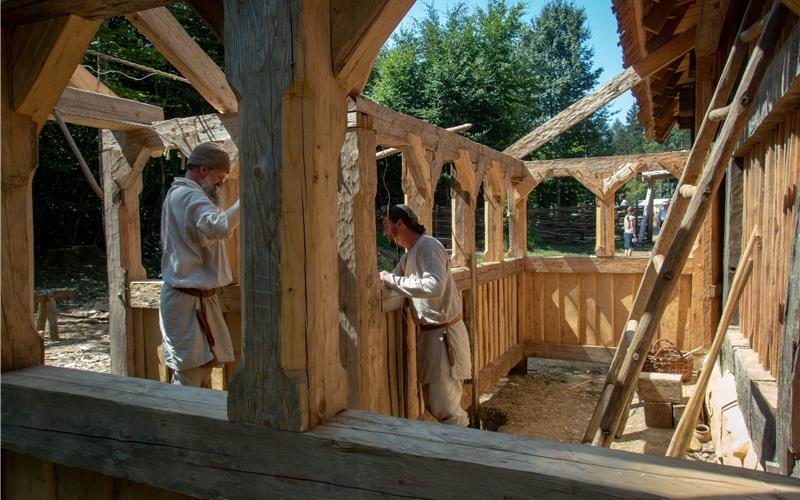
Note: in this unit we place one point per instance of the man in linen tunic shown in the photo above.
(423, 274)
(193, 264)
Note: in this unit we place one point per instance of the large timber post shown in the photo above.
(37, 62)
(292, 65)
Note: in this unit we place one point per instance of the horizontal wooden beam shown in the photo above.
(355, 454)
(17, 12)
(587, 353)
(93, 109)
(672, 161)
(392, 128)
(570, 265)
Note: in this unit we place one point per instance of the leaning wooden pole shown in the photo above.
(683, 431)
(675, 258)
(694, 164)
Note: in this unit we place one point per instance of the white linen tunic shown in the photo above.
(423, 274)
(193, 233)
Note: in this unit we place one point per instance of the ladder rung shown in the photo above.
(719, 113)
(658, 260)
(687, 190)
(752, 32)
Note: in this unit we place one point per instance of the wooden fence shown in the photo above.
(539, 306)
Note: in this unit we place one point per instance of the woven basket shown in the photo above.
(664, 357)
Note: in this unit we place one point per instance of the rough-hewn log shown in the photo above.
(97, 110)
(359, 290)
(605, 245)
(621, 83)
(464, 190)
(161, 28)
(44, 57)
(672, 161)
(21, 345)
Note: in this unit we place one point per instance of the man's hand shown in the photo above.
(384, 274)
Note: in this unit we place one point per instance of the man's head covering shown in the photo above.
(211, 155)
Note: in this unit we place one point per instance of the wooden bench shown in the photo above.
(48, 308)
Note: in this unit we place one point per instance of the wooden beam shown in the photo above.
(211, 12)
(44, 57)
(672, 161)
(419, 167)
(591, 265)
(92, 109)
(710, 25)
(123, 158)
(358, 30)
(667, 31)
(621, 83)
(161, 28)
(793, 5)
(356, 454)
(657, 15)
(84, 80)
(16, 12)
(359, 286)
(20, 344)
(291, 127)
(620, 177)
(605, 245)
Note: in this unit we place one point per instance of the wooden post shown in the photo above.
(463, 202)
(292, 65)
(37, 62)
(416, 180)
(493, 194)
(359, 290)
(518, 225)
(604, 227)
(123, 158)
(21, 345)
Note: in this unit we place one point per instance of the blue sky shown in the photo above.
(602, 24)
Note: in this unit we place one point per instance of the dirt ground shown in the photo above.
(555, 400)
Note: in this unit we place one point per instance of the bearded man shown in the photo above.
(194, 265)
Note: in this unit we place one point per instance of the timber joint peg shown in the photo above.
(257, 172)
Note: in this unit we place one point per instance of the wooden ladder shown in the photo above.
(691, 202)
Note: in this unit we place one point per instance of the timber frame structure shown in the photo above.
(311, 406)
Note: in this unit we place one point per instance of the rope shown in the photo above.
(152, 71)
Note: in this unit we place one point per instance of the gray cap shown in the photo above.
(211, 155)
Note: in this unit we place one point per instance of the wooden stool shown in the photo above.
(48, 308)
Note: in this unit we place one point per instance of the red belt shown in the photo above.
(201, 313)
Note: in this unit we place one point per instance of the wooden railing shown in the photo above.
(558, 307)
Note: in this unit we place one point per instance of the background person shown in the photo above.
(423, 274)
(194, 265)
(629, 230)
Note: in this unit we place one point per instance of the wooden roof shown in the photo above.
(646, 25)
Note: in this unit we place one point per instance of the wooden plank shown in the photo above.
(672, 161)
(413, 409)
(589, 302)
(391, 331)
(537, 307)
(550, 309)
(570, 308)
(593, 265)
(605, 310)
(166, 34)
(92, 109)
(49, 422)
(593, 354)
(44, 57)
(664, 387)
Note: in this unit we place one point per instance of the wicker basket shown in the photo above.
(664, 357)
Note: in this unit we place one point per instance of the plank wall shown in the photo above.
(771, 173)
(585, 301)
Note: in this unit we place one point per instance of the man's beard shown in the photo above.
(213, 193)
